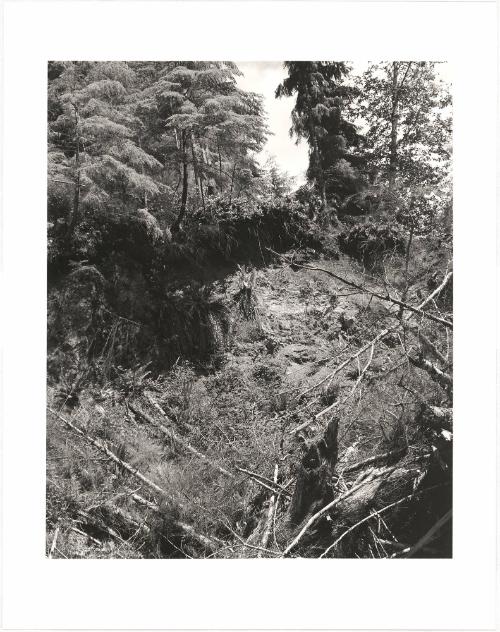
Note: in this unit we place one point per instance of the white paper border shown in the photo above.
(225, 594)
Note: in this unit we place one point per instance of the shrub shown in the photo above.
(369, 241)
(243, 229)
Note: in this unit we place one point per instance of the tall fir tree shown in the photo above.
(318, 118)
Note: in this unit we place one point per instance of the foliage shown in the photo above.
(125, 135)
(369, 240)
(249, 229)
(276, 182)
(411, 97)
(95, 161)
(318, 118)
(198, 120)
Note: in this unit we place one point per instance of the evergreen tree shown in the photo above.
(318, 118)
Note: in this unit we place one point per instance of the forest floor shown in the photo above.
(255, 412)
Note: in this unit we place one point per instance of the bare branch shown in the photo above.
(153, 486)
(387, 297)
(172, 435)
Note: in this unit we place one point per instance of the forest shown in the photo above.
(240, 365)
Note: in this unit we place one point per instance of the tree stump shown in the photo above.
(315, 473)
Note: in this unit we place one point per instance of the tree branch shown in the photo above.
(382, 297)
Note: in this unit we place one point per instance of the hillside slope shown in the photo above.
(295, 411)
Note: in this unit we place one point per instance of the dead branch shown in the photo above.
(351, 392)
(437, 291)
(374, 515)
(172, 435)
(376, 459)
(346, 362)
(104, 527)
(269, 519)
(259, 478)
(436, 373)
(429, 535)
(374, 341)
(87, 535)
(383, 297)
(126, 466)
(54, 542)
(188, 530)
(251, 546)
(431, 347)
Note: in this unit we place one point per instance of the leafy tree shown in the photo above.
(130, 135)
(405, 109)
(202, 124)
(95, 158)
(278, 183)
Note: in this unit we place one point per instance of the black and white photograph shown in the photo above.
(249, 309)
(248, 258)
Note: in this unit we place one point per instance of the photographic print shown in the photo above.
(249, 310)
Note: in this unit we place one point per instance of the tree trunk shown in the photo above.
(232, 183)
(393, 148)
(314, 473)
(220, 167)
(185, 185)
(320, 176)
(195, 162)
(198, 175)
(74, 215)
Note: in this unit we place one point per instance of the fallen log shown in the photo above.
(390, 483)
(439, 376)
(126, 466)
(175, 437)
(270, 513)
(386, 456)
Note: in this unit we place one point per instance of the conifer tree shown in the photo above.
(318, 117)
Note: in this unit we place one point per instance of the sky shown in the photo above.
(263, 77)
